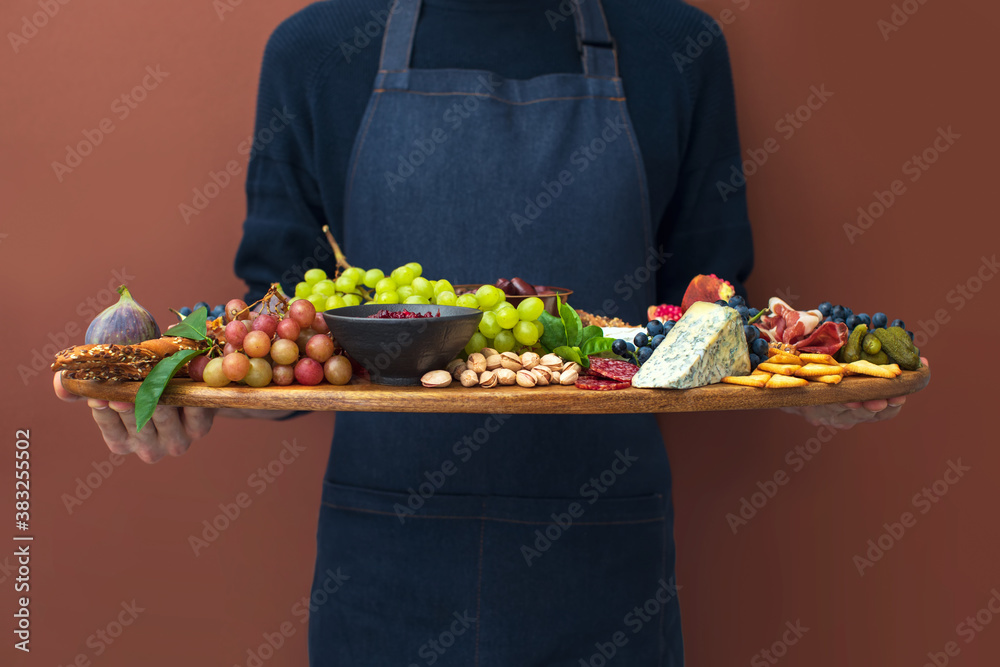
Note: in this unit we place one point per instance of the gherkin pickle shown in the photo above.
(852, 350)
(871, 344)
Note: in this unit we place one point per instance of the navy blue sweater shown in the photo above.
(318, 73)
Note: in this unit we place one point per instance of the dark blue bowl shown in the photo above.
(399, 352)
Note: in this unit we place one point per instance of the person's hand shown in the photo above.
(170, 431)
(846, 415)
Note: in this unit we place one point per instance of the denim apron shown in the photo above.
(499, 540)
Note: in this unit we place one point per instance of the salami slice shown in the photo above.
(612, 369)
(600, 384)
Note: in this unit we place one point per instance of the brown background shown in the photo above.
(62, 242)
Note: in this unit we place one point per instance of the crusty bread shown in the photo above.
(119, 362)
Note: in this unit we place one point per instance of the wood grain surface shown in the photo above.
(361, 396)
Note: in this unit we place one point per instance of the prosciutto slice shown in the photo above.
(827, 339)
(801, 329)
(787, 325)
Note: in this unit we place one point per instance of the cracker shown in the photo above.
(747, 380)
(778, 369)
(783, 381)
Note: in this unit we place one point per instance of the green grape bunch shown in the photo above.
(504, 327)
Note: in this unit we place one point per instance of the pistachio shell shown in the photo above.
(526, 378)
(511, 361)
(436, 379)
(542, 375)
(506, 377)
(488, 352)
(568, 377)
(488, 379)
(458, 370)
(453, 364)
(493, 362)
(469, 378)
(529, 360)
(476, 362)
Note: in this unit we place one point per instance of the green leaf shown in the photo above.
(152, 387)
(568, 353)
(596, 346)
(572, 323)
(193, 326)
(555, 333)
(592, 331)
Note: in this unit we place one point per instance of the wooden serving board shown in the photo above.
(362, 396)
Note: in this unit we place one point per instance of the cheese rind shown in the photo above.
(706, 345)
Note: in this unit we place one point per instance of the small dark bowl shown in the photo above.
(551, 297)
(399, 352)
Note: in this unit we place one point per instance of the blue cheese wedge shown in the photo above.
(706, 345)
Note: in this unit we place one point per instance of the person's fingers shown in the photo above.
(172, 435)
(197, 421)
(925, 362)
(875, 406)
(853, 405)
(61, 392)
(888, 413)
(897, 401)
(115, 434)
(147, 444)
(97, 404)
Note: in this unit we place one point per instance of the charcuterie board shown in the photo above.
(362, 396)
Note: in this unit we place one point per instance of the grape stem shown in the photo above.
(759, 315)
(337, 252)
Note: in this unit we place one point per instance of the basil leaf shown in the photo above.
(572, 323)
(590, 332)
(568, 353)
(596, 346)
(193, 326)
(554, 334)
(153, 385)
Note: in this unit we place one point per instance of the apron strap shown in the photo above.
(597, 47)
(593, 38)
(400, 27)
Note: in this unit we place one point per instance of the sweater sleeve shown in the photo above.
(705, 227)
(282, 233)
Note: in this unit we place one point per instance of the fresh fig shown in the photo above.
(124, 323)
